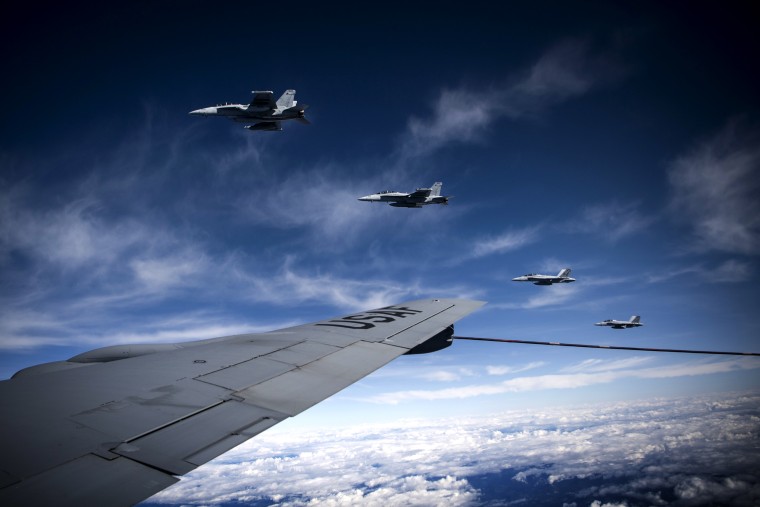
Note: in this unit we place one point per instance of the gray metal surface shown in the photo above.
(300, 389)
(89, 481)
(116, 432)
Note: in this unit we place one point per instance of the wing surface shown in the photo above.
(235, 108)
(263, 99)
(114, 433)
(420, 192)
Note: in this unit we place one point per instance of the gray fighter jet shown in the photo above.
(621, 324)
(416, 199)
(263, 112)
(562, 277)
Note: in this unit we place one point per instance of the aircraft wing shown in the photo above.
(420, 192)
(263, 99)
(115, 433)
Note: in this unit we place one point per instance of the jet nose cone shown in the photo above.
(202, 111)
(365, 198)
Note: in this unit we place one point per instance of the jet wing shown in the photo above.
(420, 193)
(263, 99)
(114, 433)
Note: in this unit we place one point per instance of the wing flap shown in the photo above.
(89, 480)
(301, 388)
(246, 374)
(181, 447)
(260, 369)
(139, 414)
(302, 353)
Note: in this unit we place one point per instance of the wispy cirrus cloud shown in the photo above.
(290, 286)
(612, 221)
(64, 321)
(597, 365)
(160, 273)
(568, 70)
(585, 375)
(729, 271)
(506, 370)
(447, 375)
(71, 235)
(510, 240)
(548, 296)
(151, 223)
(714, 190)
(30, 329)
(320, 200)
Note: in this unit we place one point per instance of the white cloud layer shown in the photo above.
(700, 451)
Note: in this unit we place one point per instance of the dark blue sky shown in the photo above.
(618, 139)
(687, 65)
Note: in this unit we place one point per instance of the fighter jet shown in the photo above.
(416, 199)
(621, 324)
(263, 112)
(562, 277)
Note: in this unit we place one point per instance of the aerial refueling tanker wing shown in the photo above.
(115, 425)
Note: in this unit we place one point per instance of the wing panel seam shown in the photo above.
(175, 421)
(417, 324)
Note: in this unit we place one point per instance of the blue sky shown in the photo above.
(618, 140)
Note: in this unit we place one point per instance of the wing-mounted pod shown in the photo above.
(101, 355)
(440, 341)
(265, 125)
